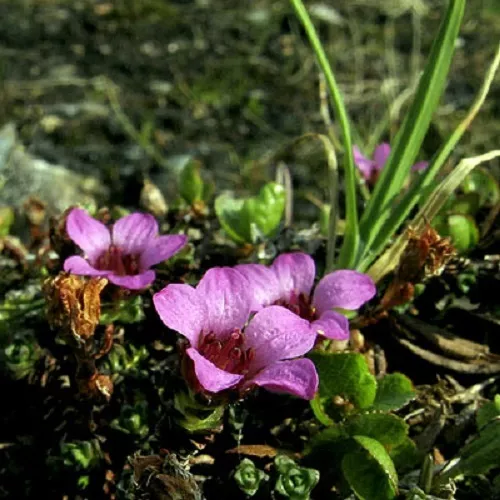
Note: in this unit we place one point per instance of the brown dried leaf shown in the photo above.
(74, 304)
(255, 450)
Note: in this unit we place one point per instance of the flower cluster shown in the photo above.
(245, 326)
(370, 168)
(230, 351)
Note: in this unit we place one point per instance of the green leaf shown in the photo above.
(319, 411)
(246, 219)
(248, 477)
(393, 392)
(462, 230)
(409, 139)
(266, 209)
(123, 311)
(333, 441)
(346, 375)
(370, 471)
(294, 482)
(488, 412)
(422, 190)
(405, 456)
(350, 246)
(390, 430)
(482, 454)
(81, 454)
(195, 416)
(230, 213)
(432, 206)
(481, 182)
(466, 204)
(6, 220)
(191, 185)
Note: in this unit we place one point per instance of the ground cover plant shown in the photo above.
(249, 251)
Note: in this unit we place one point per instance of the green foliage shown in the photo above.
(368, 441)
(479, 455)
(488, 412)
(482, 183)
(393, 392)
(370, 471)
(195, 416)
(457, 218)
(462, 230)
(6, 220)
(249, 220)
(294, 482)
(21, 357)
(192, 188)
(346, 375)
(132, 420)
(126, 359)
(248, 477)
(409, 139)
(387, 429)
(123, 311)
(350, 247)
(17, 306)
(81, 455)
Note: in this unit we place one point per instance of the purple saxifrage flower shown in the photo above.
(227, 352)
(123, 253)
(370, 169)
(289, 281)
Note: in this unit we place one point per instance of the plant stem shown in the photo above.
(348, 253)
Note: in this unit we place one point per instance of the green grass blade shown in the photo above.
(411, 135)
(420, 191)
(349, 250)
(390, 259)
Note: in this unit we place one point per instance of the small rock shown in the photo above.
(23, 175)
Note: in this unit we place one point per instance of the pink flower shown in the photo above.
(289, 281)
(370, 169)
(123, 253)
(229, 353)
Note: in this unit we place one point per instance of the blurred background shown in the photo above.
(113, 92)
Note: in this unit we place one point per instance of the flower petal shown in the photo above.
(133, 233)
(332, 325)
(228, 298)
(297, 377)
(295, 272)
(344, 289)
(133, 282)
(263, 281)
(420, 165)
(382, 152)
(161, 248)
(275, 333)
(181, 309)
(89, 234)
(211, 378)
(364, 164)
(78, 265)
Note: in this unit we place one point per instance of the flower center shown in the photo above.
(300, 305)
(114, 260)
(228, 354)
